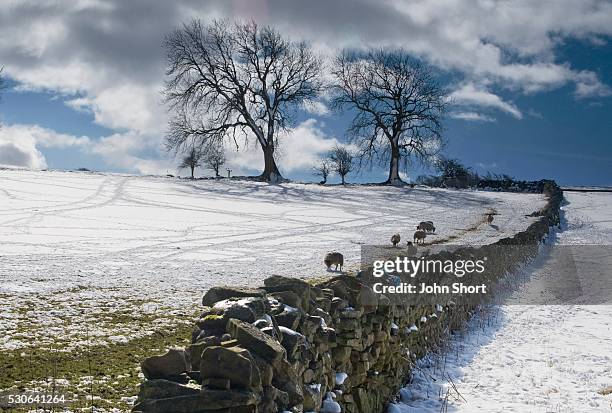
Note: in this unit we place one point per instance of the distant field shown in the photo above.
(97, 265)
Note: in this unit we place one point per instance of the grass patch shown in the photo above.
(98, 376)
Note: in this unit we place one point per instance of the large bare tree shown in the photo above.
(237, 80)
(398, 107)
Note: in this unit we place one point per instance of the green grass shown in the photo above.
(114, 367)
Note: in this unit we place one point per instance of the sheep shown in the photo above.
(420, 236)
(411, 249)
(395, 239)
(426, 226)
(334, 258)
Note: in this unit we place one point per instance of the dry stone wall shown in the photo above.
(296, 346)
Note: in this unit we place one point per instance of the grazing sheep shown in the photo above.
(489, 218)
(395, 239)
(334, 258)
(411, 249)
(420, 236)
(426, 226)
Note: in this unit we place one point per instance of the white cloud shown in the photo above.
(21, 153)
(131, 151)
(535, 114)
(589, 85)
(472, 116)
(304, 145)
(316, 108)
(469, 94)
(19, 145)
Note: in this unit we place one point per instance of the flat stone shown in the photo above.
(173, 363)
(255, 340)
(203, 402)
(278, 283)
(216, 294)
(288, 297)
(246, 309)
(289, 317)
(161, 389)
(234, 363)
(212, 323)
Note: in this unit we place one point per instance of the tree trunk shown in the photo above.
(394, 178)
(192, 168)
(270, 172)
(343, 179)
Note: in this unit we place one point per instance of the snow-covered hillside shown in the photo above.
(531, 358)
(81, 246)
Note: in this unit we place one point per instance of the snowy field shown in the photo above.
(80, 249)
(536, 358)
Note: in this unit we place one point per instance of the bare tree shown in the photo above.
(214, 158)
(192, 160)
(398, 107)
(229, 80)
(323, 168)
(455, 174)
(342, 161)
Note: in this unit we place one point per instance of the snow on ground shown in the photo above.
(88, 248)
(529, 358)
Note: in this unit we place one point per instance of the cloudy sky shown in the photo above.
(531, 81)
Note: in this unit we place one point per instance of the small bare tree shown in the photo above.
(192, 160)
(227, 80)
(323, 168)
(214, 158)
(398, 107)
(342, 161)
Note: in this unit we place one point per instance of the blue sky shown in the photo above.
(530, 83)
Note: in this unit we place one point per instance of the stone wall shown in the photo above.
(327, 346)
